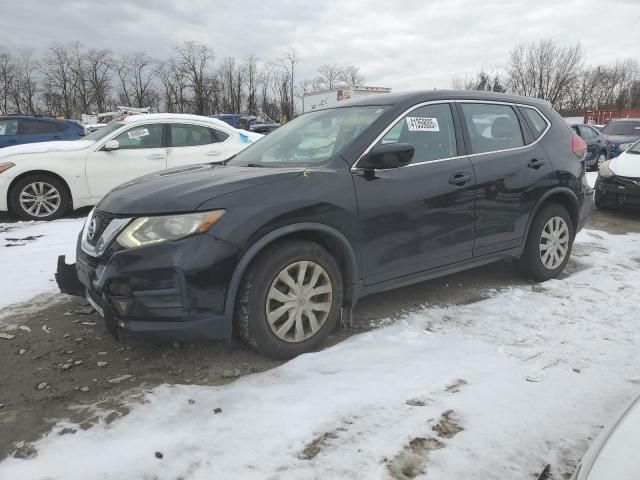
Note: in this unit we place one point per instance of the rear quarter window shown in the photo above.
(537, 123)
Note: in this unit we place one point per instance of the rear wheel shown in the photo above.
(290, 299)
(39, 197)
(549, 243)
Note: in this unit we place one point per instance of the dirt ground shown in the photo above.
(62, 359)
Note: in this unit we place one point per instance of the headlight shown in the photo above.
(145, 231)
(6, 166)
(624, 146)
(605, 171)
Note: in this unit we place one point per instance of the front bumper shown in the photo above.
(618, 191)
(5, 182)
(175, 290)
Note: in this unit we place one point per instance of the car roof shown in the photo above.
(434, 95)
(31, 117)
(146, 117)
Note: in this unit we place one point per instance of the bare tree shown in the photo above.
(59, 81)
(351, 76)
(7, 79)
(252, 77)
(194, 58)
(136, 72)
(99, 65)
(328, 77)
(544, 70)
(290, 61)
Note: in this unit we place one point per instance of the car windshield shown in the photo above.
(622, 128)
(104, 131)
(311, 139)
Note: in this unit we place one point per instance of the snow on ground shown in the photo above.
(530, 374)
(28, 255)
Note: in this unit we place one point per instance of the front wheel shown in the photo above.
(290, 299)
(39, 197)
(549, 243)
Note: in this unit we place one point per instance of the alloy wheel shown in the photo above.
(554, 243)
(40, 199)
(601, 159)
(299, 301)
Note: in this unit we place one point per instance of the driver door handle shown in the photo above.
(156, 156)
(459, 179)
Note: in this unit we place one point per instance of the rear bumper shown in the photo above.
(175, 290)
(619, 191)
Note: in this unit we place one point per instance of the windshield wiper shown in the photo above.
(255, 165)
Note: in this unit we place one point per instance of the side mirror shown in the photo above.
(111, 145)
(391, 155)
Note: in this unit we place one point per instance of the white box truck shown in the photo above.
(313, 100)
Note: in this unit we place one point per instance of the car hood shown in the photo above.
(626, 165)
(617, 139)
(614, 453)
(46, 147)
(183, 189)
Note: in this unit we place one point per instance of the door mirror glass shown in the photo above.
(111, 145)
(391, 155)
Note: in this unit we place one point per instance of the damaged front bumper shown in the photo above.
(618, 191)
(169, 291)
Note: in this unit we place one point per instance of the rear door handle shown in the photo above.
(156, 156)
(535, 163)
(459, 179)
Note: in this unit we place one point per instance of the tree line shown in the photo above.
(71, 79)
(560, 74)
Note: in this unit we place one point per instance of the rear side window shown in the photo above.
(190, 135)
(537, 123)
(219, 136)
(38, 127)
(492, 127)
(429, 129)
(586, 132)
(8, 127)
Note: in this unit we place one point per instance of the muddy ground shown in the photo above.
(62, 358)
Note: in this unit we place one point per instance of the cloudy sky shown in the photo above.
(404, 44)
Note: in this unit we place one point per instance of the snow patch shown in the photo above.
(350, 402)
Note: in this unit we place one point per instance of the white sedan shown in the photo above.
(41, 181)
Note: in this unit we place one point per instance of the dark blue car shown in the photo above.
(621, 133)
(21, 129)
(597, 145)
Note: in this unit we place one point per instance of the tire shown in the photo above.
(39, 197)
(263, 290)
(531, 262)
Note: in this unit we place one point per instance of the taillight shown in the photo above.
(578, 147)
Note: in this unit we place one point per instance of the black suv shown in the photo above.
(369, 195)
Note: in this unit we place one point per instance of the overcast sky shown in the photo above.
(412, 44)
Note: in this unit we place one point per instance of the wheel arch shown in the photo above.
(37, 172)
(328, 237)
(562, 196)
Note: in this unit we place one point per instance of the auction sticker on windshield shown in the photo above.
(423, 124)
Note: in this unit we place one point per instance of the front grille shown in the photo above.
(101, 221)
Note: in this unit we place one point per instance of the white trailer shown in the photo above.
(313, 100)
